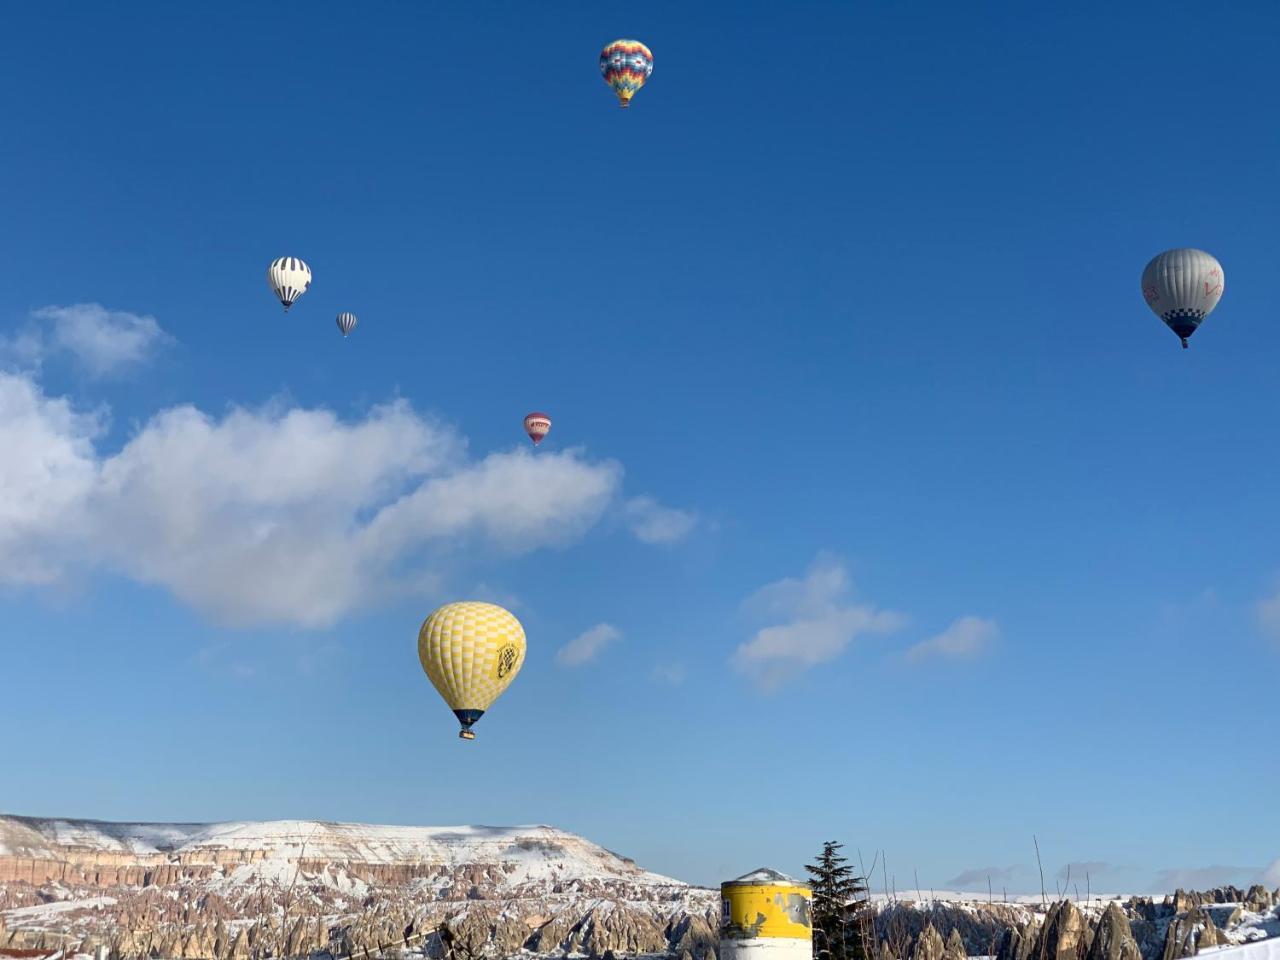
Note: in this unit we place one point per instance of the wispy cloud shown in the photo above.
(672, 674)
(1267, 611)
(243, 659)
(587, 646)
(221, 658)
(102, 342)
(489, 593)
(977, 877)
(966, 638)
(279, 514)
(651, 522)
(1203, 878)
(1082, 868)
(817, 618)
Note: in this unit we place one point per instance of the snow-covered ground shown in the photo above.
(42, 911)
(1254, 950)
(1253, 927)
(957, 897)
(505, 882)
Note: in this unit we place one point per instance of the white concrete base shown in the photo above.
(767, 948)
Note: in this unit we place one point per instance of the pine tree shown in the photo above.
(838, 907)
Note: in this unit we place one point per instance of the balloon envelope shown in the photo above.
(625, 66)
(347, 322)
(471, 652)
(1182, 287)
(537, 426)
(289, 278)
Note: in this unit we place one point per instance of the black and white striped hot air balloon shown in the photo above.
(289, 278)
(347, 322)
(1182, 287)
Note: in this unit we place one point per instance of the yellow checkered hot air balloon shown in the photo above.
(471, 651)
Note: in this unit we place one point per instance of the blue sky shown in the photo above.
(898, 516)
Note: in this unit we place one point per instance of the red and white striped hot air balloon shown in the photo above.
(537, 425)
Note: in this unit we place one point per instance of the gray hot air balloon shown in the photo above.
(347, 322)
(289, 278)
(1182, 287)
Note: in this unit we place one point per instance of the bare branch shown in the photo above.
(1041, 866)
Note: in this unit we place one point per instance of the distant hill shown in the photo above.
(493, 859)
(293, 887)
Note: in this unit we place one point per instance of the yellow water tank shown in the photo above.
(766, 916)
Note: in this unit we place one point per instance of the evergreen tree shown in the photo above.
(839, 907)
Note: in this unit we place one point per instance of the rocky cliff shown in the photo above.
(1138, 928)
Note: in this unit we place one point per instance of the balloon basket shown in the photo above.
(466, 735)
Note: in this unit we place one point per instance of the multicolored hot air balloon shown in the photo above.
(537, 426)
(289, 278)
(346, 323)
(1182, 287)
(625, 66)
(471, 652)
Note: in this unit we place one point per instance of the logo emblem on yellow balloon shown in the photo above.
(506, 659)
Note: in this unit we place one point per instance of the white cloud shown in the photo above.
(515, 500)
(47, 469)
(102, 342)
(820, 621)
(275, 515)
(967, 637)
(587, 646)
(23, 350)
(255, 518)
(826, 583)
(651, 522)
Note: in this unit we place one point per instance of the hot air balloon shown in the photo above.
(346, 323)
(289, 278)
(537, 426)
(625, 66)
(1182, 287)
(471, 652)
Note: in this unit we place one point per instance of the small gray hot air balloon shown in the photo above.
(1182, 287)
(347, 322)
(289, 278)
